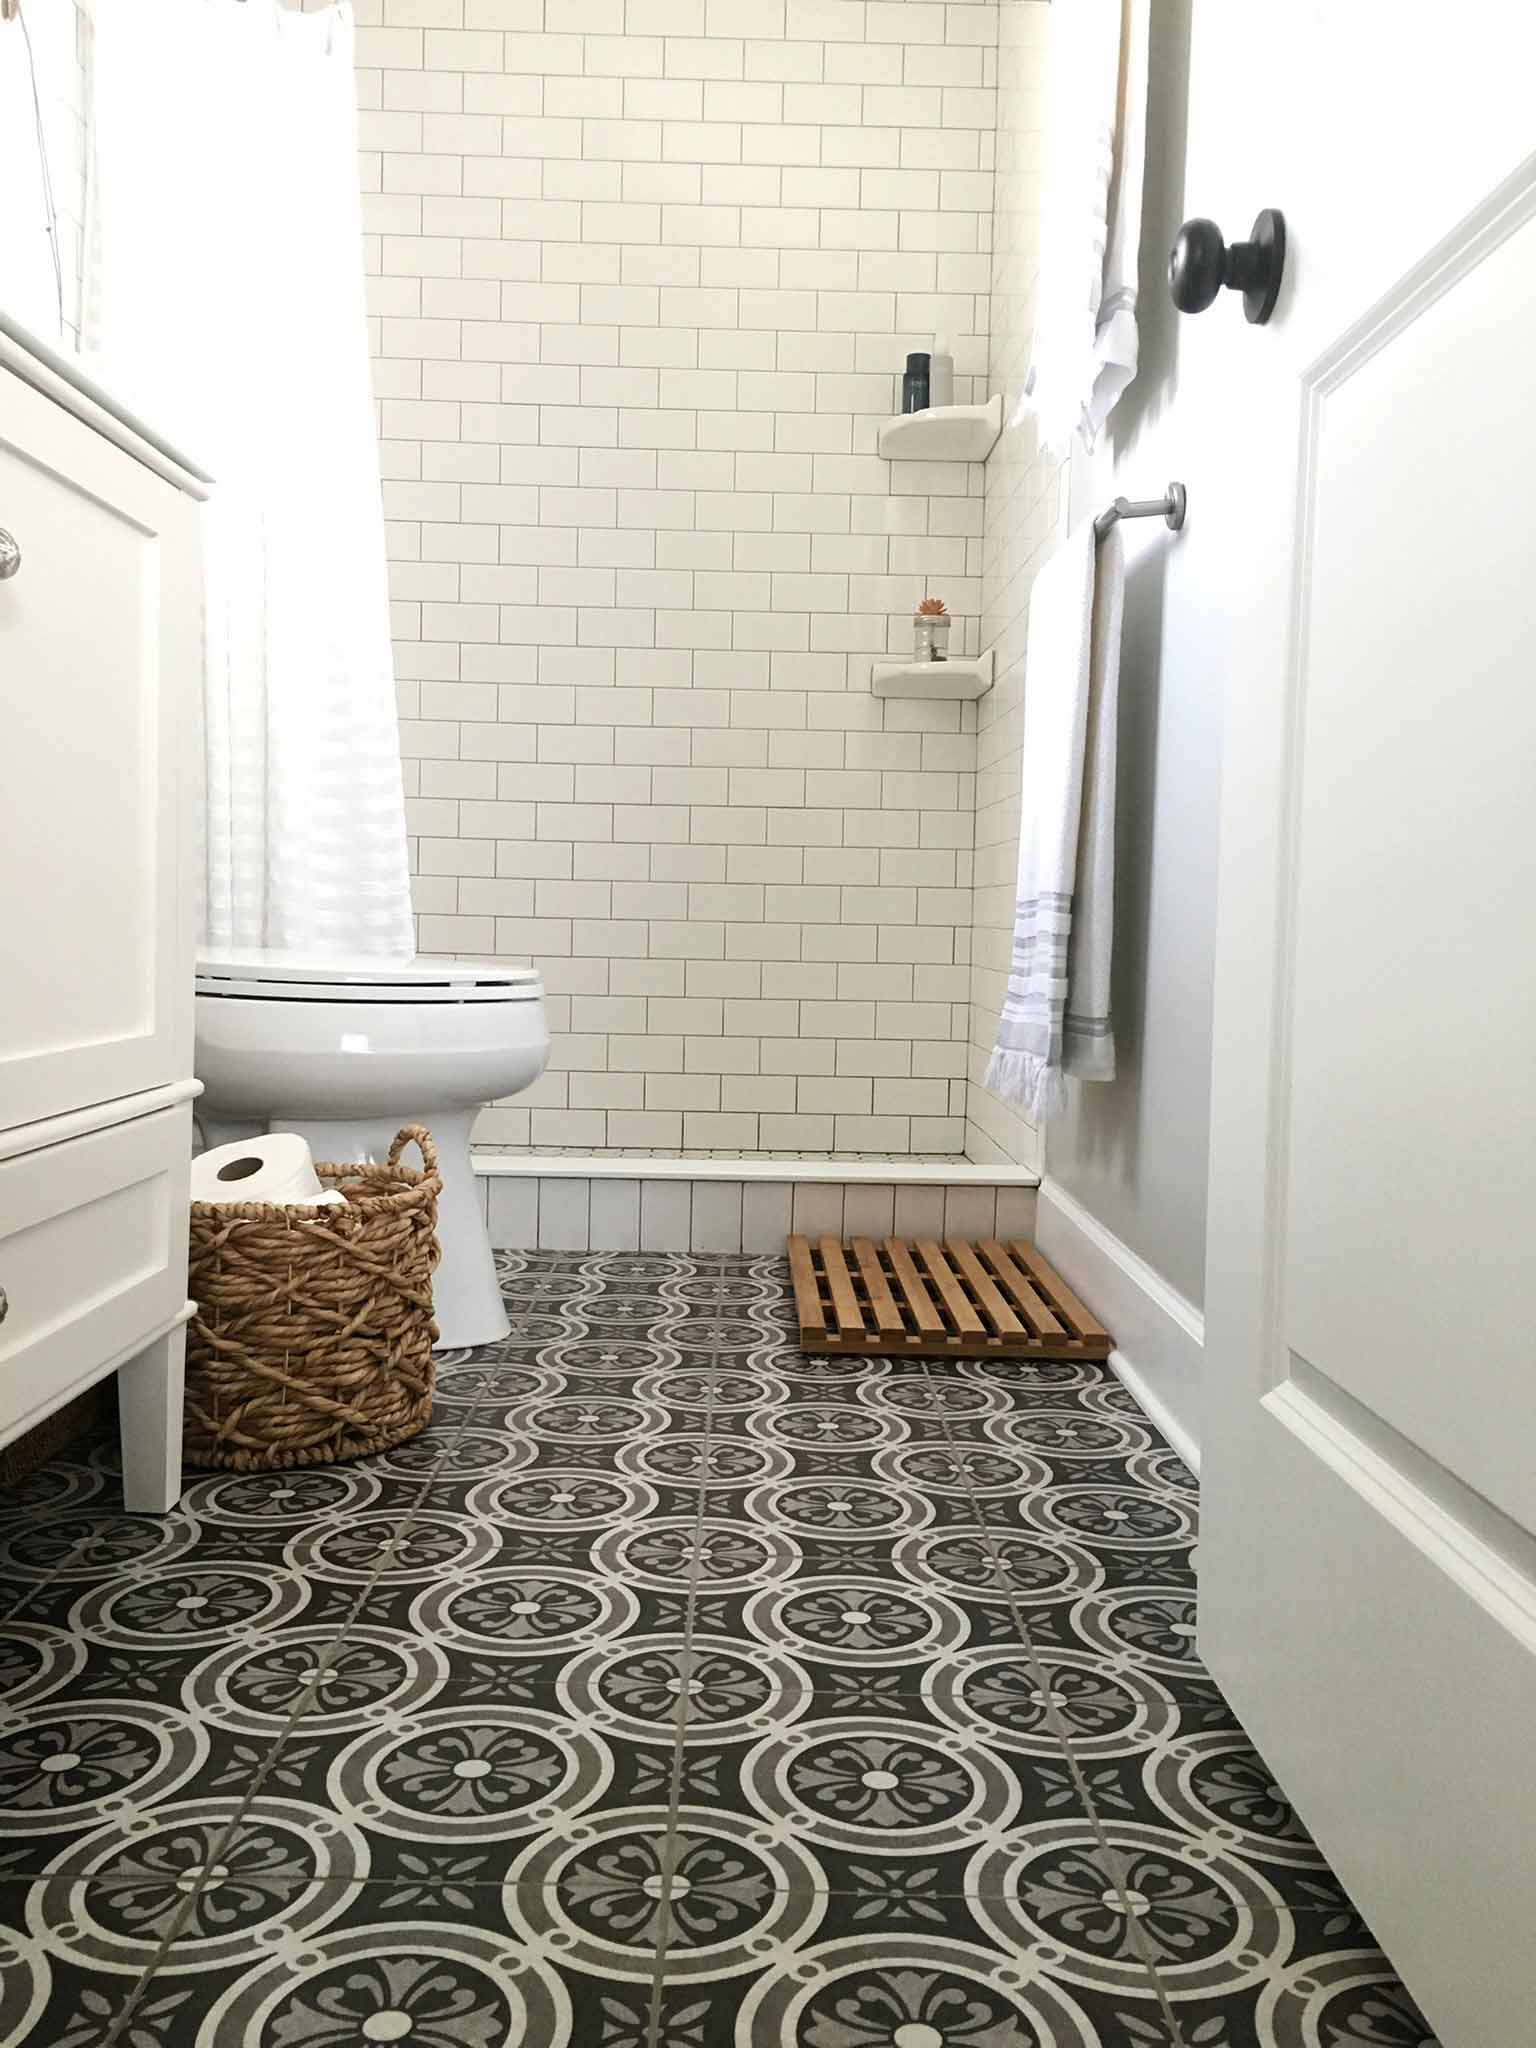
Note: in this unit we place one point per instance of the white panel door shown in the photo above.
(1368, 1563)
(98, 666)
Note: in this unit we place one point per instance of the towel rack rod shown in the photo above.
(1171, 506)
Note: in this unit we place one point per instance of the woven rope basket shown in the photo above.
(313, 1336)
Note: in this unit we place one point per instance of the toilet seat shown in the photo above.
(277, 977)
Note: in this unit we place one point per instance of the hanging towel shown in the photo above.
(1084, 350)
(1055, 1018)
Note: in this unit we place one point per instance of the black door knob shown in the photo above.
(1201, 263)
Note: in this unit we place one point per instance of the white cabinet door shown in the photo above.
(99, 655)
(1360, 498)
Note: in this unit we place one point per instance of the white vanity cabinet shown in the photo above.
(100, 663)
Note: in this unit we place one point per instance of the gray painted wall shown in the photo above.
(1133, 1151)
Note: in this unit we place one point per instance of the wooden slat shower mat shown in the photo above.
(955, 1300)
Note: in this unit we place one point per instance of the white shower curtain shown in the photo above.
(224, 298)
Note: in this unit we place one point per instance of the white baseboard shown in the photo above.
(1159, 1336)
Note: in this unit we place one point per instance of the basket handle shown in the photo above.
(419, 1136)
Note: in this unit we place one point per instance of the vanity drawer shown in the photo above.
(93, 1255)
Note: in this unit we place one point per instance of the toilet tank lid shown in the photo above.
(254, 964)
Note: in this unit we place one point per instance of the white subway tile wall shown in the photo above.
(644, 274)
(1023, 499)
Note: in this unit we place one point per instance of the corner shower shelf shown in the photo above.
(944, 433)
(969, 677)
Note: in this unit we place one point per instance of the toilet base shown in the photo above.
(466, 1296)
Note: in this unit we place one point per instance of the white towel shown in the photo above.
(1083, 354)
(1055, 1018)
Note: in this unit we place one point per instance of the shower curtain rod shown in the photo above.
(1171, 506)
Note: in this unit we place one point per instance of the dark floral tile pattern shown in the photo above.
(673, 1690)
(861, 1985)
(61, 1981)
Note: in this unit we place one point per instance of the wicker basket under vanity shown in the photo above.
(313, 1336)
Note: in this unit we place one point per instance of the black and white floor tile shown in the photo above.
(673, 1690)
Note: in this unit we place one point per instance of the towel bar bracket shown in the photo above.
(1171, 508)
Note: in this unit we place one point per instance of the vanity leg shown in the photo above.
(149, 1389)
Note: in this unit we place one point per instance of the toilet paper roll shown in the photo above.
(277, 1167)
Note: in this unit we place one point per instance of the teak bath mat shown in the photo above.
(954, 1300)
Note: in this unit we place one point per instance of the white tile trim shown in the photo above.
(719, 1212)
(626, 1166)
(565, 1218)
(614, 1215)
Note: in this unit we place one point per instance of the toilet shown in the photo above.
(345, 1052)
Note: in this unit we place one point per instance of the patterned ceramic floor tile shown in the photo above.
(489, 1783)
(134, 1620)
(74, 1762)
(88, 1473)
(868, 1798)
(674, 1690)
(885, 1982)
(65, 1978)
(422, 1956)
(1335, 1987)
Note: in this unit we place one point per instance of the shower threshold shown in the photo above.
(915, 1169)
(741, 1201)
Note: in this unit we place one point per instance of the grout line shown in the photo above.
(99, 1453)
(670, 1842)
(708, 1267)
(137, 1991)
(31, 1590)
(1057, 1722)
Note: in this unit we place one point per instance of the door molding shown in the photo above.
(1510, 206)
(1488, 1555)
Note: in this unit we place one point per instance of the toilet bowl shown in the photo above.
(345, 1052)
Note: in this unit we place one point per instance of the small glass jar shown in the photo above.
(930, 636)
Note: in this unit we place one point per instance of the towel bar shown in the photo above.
(1171, 506)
